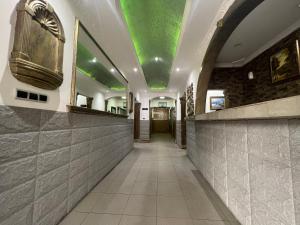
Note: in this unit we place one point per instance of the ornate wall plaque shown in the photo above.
(37, 56)
(190, 101)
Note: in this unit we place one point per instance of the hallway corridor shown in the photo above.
(155, 184)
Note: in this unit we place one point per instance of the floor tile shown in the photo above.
(141, 205)
(138, 220)
(169, 189)
(102, 219)
(87, 203)
(110, 203)
(172, 207)
(211, 222)
(144, 188)
(74, 218)
(174, 221)
(202, 208)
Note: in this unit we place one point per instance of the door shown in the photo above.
(137, 117)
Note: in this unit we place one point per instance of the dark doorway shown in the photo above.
(183, 121)
(137, 117)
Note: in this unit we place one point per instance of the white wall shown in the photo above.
(212, 93)
(57, 99)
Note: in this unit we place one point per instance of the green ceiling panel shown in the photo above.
(154, 26)
(96, 70)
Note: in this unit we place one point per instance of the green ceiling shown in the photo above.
(95, 69)
(154, 26)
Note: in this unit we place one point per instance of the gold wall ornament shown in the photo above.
(37, 56)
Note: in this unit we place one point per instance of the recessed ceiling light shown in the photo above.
(162, 97)
(177, 69)
(156, 59)
(112, 70)
(135, 69)
(94, 60)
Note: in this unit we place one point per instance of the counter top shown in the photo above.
(280, 108)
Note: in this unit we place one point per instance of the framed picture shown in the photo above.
(285, 64)
(217, 103)
(162, 104)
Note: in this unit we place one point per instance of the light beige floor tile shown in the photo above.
(138, 220)
(102, 219)
(172, 207)
(74, 218)
(174, 221)
(87, 203)
(141, 205)
(144, 188)
(210, 222)
(110, 203)
(169, 189)
(202, 208)
(120, 187)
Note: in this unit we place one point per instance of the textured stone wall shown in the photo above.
(145, 130)
(242, 91)
(178, 134)
(252, 165)
(49, 161)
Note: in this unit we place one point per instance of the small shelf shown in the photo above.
(275, 109)
(76, 109)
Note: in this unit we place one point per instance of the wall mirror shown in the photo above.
(260, 59)
(97, 84)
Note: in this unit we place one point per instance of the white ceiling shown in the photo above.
(267, 24)
(104, 21)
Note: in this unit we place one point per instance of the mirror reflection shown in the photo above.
(99, 83)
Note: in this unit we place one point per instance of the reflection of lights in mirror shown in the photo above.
(98, 80)
(177, 69)
(162, 97)
(135, 69)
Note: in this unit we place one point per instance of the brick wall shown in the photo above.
(49, 161)
(242, 91)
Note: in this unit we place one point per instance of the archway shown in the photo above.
(234, 16)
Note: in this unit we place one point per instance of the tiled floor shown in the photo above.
(154, 185)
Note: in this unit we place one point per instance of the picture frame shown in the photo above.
(285, 63)
(217, 103)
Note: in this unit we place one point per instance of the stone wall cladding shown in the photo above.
(252, 165)
(50, 160)
(145, 130)
(178, 133)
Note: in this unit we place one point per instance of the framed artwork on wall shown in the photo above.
(285, 64)
(217, 103)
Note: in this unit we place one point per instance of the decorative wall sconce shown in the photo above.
(37, 56)
(251, 75)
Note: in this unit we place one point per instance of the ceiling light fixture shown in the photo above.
(177, 69)
(135, 69)
(94, 60)
(156, 59)
(112, 70)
